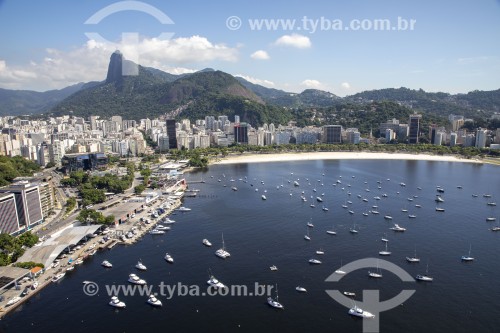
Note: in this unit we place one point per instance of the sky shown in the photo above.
(343, 47)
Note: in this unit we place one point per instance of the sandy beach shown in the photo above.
(284, 157)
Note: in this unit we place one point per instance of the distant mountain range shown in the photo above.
(153, 93)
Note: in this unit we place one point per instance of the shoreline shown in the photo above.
(306, 156)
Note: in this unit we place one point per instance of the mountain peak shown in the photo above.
(115, 68)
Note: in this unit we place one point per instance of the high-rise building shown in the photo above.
(414, 128)
(9, 221)
(352, 136)
(28, 204)
(236, 119)
(481, 135)
(453, 139)
(332, 134)
(389, 135)
(241, 132)
(171, 132)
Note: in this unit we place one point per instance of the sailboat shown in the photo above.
(468, 257)
(385, 239)
(306, 237)
(385, 252)
(425, 277)
(353, 229)
(375, 274)
(310, 224)
(414, 258)
(275, 303)
(222, 253)
(339, 271)
(332, 232)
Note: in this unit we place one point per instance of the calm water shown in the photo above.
(464, 297)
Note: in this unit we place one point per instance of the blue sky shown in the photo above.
(453, 46)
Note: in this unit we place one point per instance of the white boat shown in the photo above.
(213, 282)
(404, 210)
(491, 219)
(183, 209)
(365, 200)
(301, 289)
(325, 209)
(310, 225)
(351, 212)
(307, 237)
(273, 268)
(140, 266)
(312, 205)
(296, 183)
(384, 239)
(106, 264)
(275, 303)
(358, 312)
(353, 230)
(424, 277)
(162, 227)
(365, 214)
(13, 300)
(375, 212)
(374, 275)
(234, 188)
(418, 206)
(385, 252)
(315, 261)
(332, 231)
(168, 221)
(70, 269)
(206, 242)
(468, 257)
(263, 197)
(411, 216)
(491, 203)
(169, 258)
(349, 294)
(34, 285)
(133, 278)
(398, 228)
(320, 252)
(319, 199)
(152, 300)
(156, 232)
(222, 253)
(439, 209)
(340, 271)
(58, 277)
(439, 199)
(388, 217)
(497, 228)
(115, 302)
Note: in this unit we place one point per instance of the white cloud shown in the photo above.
(89, 62)
(294, 40)
(311, 84)
(345, 85)
(256, 81)
(260, 55)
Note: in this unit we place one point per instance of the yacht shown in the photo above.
(168, 221)
(404, 210)
(156, 232)
(388, 217)
(491, 219)
(314, 261)
(365, 214)
(491, 203)
(273, 268)
(310, 225)
(140, 266)
(351, 212)
(296, 183)
(365, 200)
(169, 258)
(106, 264)
(206, 242)
(307, 237)
(275, 303)
(353, 230)
(398, 228)
(349, 294)
(325, 209)
(234, 188)
(162, 227)
(439, 209)
(320, 252)
(183, 209)
(385, 252)
(319, 199)
(58, 277)
(497, 228)
(358, 312)
(301, 289)
(384, 239)
(424, 277)
(222, 253)
(374, 275)
(418, 206)
(468, 257)
(263, 197)
(152, 300)
(439, 199)
(375, 212)
(312, 205)
(411, 216)
(474, 195)
(440, 190)
(133, 278)
(486, 195)
(213, 282)
(115, 302)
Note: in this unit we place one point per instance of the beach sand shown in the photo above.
(284, 157)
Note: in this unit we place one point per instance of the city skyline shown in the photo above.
(446, 47)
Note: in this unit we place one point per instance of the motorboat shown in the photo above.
(263, 197)
(325, 209)
(133, 278)
(162, 227)
(152, 300)
(374, 274)
(439, 209)
(206, 242)
(13, 300)
(183, 209)
(411, 216)
(319, 199)
(314, 261)
(273, 268)
(157, 232)
(115, 302)
(439, 199)
(320, 252)
(213, 282)
(491, 219)
(58, 277)
(222, 253)
(412, 259)
(310, 225)
(358, 312)
(388, 217)
(397, 227)
(424, 277)
(169, 258)
(349, 294)
(168, 221)
(140, 266)
(301, 289)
